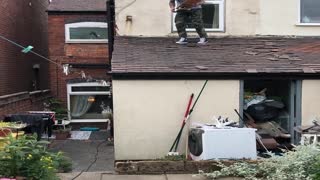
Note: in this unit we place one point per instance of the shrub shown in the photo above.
(29, 158)
(57, 106)
(64, 164)
(302, 163)
(315, 171)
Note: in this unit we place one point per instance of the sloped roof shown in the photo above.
(77, 5)
(259, 55)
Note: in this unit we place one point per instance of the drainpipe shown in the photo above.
(111, 27)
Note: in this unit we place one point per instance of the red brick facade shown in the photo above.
(24, 22)
(74, 53)
(23, 101)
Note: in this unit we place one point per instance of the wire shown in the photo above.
(33, 52)
(93, 162)
(14, 43)
(57, 64)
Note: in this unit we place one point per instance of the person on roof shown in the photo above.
(188, 9)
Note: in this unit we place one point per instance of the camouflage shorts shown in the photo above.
(191, 19)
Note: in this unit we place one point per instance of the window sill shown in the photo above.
(207, 30)
(89, 120)
(87, 42)
(308, 24)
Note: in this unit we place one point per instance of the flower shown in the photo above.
(29, 156)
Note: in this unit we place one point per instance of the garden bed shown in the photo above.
(169, 167)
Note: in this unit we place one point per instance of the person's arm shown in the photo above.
(172, 5)
(201, 2)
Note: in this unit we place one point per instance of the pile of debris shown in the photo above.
(264, 114)
(309, 134)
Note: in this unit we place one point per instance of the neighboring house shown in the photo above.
(153, 77)
(23, 22)
(78, 38)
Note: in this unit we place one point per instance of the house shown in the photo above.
(253, 45)
(23, 77)
(78, 40)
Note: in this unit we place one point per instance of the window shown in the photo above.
(86, 102)
(309, 11)
(86, 32)
(212, 15)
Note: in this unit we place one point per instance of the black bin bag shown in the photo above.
(265, 111)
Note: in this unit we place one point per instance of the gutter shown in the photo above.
(210, 75)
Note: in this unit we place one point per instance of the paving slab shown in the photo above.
(133, 177)
(83, 176)
(195, 177)
(185, 177)
(84, 152)
(109, 176)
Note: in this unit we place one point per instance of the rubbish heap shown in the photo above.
(269, 116)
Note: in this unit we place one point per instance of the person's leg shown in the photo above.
(196, 18)
(180, 21)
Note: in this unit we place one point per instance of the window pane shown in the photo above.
(88, 33)
(210, 16)
(310, 11)
(90, 88)
(88, 106)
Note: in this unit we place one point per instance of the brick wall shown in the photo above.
(25, 22)
(75, 53)
(23, 101)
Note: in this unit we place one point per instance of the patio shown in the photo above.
(88, 155)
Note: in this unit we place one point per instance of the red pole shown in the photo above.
(183, 121)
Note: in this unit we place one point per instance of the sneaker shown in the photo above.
(203, 41)
(182, 40)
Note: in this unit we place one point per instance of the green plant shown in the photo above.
(57, 106)
(180, 157)
(302, 163)
(29, 158)
(62, 130)
(64, 164)
(61, 133)
(315, 170)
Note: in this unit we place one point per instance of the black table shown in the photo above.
(49, 120)
(36, 123)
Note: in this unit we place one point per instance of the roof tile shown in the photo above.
(228, 55)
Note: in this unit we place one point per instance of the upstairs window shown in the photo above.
(86, 32)
(310, 11)
(212, 16)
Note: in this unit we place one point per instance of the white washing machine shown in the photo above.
(229, 143)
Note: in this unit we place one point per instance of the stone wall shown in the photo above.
(169, 167)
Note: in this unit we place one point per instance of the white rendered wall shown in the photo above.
(310, 101)
(242, 18)
(148, 113)
(153, 17)
(281, 18)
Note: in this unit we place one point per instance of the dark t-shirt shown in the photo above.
(178, 2)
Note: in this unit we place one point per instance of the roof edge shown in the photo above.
(209, 75)
(228, 37)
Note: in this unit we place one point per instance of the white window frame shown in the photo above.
(221, 4)
(69, 93)
(299, 23)
(84, 24)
